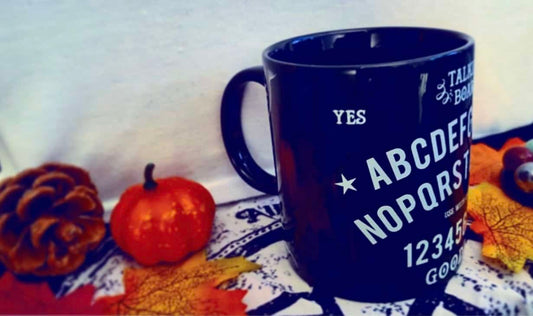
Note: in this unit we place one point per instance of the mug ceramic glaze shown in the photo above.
(371, 131)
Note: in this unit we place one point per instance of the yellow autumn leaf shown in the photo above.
(506, 225)
(183, 289)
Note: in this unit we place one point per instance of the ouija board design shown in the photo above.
(253, 229)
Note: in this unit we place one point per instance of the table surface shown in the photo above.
(252, 229)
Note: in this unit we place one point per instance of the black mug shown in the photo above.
(371, 131)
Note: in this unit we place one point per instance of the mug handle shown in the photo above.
(232, 134)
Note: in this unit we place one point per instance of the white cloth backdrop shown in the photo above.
(111, 85)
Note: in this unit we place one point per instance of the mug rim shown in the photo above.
(469, 42)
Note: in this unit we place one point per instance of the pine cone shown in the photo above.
(50, 217)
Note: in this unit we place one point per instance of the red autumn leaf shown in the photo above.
(18, 297)
(486, 162)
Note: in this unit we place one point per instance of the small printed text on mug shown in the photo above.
(458, 86)
(461, 75)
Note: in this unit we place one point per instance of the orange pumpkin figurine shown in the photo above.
(163, 221)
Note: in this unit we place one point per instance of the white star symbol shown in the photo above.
(346, 184)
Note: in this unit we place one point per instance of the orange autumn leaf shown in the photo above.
(486, 162)
(506, 225)
(188, 288)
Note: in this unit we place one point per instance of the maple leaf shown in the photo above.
(183, 289)
(506, 225)
(18, 297)
(486, 162)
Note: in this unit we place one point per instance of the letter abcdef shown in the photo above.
(438, 136)
(452, 135)
(397, 162)
(377, 173)
(350, 117)
(420, 142)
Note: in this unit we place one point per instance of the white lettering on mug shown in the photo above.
(400, 167)
(461, 74)
(457, 175)
(462, 128)
(459, 86)
(420, 142)
(438, 154)
(451, 136)
(443, 180)
(406, 210)
(422, 153)
(466, 158)
(377, 173)
(350, 117)
(398, 224)
(429, 195)
(370, 230)
(428, 200)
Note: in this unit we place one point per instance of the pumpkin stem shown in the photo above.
(149, 183)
